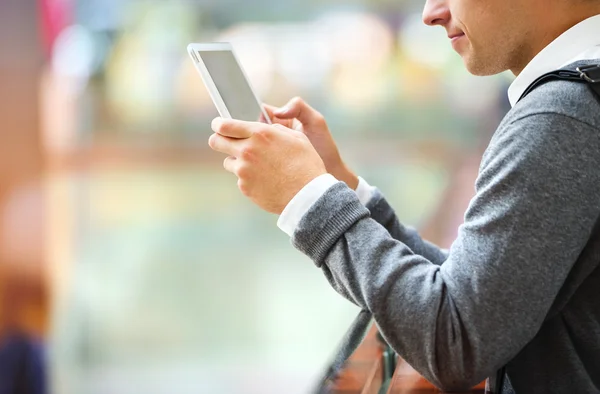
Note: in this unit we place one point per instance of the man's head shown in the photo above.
(497, 35)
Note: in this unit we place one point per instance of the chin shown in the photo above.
(482, 67)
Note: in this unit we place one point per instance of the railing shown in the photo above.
(374, 368)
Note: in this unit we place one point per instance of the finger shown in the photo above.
(263, 119)
(227, 145)
(299, 109)
(270, 110)
(234, 128)
(230, 164)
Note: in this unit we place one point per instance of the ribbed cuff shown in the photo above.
(302, 201)
(327, 220)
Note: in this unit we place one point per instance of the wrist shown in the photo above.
(344, 174)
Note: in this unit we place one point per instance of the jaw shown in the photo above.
(475, 61)
(485, 61)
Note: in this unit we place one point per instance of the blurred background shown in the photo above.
(129, 261)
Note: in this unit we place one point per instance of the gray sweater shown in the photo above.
(520, 286)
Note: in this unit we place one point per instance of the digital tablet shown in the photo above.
(227, 82)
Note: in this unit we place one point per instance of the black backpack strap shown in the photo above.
(495, 383)
(582, 72)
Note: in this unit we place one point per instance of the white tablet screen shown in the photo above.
(232, 85)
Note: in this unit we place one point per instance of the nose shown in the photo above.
(436, 12)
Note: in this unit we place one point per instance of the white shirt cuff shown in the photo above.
(364, 191)
(299, 205)
(302, 201)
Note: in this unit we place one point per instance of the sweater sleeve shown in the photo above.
(535, 206)
(384, 214)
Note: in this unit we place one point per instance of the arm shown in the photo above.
(372, 198)
(298, 115)
(534, 210)
(384, 214)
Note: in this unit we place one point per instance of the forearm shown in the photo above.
(385, 215)
(407, 294)
(370, 197)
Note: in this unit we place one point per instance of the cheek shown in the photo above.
(476, 18)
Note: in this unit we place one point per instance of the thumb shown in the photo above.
(299, 109)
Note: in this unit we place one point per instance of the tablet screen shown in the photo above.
(232, 85)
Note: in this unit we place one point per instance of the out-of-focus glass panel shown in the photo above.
(178, 286)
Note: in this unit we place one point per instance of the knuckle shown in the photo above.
(297, 100)
(224, 128)
(263, 133)
(246, 153)
(243, 171)
(243, 186)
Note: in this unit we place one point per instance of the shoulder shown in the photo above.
(562, 98)
(557, 125)
(566, 112)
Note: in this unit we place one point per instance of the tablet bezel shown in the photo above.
(195, 51)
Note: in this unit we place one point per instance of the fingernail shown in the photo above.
(281, 111)
(216, 124)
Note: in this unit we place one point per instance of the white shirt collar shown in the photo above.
(560, 52)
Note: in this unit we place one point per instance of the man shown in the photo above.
(520, 286)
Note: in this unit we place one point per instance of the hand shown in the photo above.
(272, 162)
(299, 116)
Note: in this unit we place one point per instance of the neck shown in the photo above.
(557, 25)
